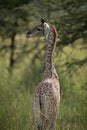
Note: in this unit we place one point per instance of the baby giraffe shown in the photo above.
(46, 98)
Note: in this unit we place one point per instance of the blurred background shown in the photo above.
(22, 61)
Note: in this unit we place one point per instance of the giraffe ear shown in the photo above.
(42, 20)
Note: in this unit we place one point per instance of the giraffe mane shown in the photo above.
(55, 32)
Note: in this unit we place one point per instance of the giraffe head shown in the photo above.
(40, 30)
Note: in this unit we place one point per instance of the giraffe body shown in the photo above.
(47, 94)
(46, 103)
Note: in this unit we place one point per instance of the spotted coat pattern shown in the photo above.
(45, 104)
(46, 98)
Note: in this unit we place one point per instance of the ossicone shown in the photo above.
(42, 20)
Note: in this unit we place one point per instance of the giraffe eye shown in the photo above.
(38, 29)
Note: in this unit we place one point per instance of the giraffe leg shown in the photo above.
(52, 127)
(48, 124)
(38, 127)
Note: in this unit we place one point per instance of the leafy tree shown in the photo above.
(13, 21)
(70, 19)
(68, 16)
(7, 4)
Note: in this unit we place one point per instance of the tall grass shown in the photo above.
(16, 103)
(15, 106)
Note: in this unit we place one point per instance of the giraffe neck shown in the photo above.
(49, 61)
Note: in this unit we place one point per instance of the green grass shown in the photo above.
(16, 105)
(16, 93)
(73, 112)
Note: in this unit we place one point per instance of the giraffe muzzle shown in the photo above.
(28, 35)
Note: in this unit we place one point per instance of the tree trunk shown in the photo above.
(12, 47)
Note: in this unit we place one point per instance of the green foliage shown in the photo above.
(16, 102)
(15, 106)
(72, 114)
(7, 4)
